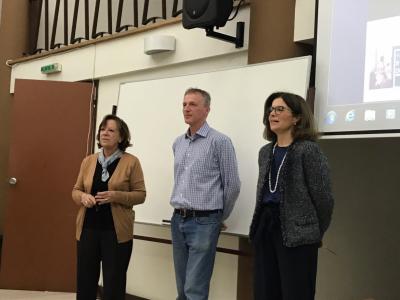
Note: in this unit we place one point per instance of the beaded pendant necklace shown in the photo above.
(273, 190)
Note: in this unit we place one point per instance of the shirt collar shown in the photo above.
(202, 132)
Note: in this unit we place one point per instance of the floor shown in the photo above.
(31, 295)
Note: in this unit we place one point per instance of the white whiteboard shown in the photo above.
(153, 111)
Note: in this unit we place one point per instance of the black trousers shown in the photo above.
(280, 272)
(97, 246)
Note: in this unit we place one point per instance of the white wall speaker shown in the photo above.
(158, 43)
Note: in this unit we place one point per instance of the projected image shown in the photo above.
(396, 66)
(358, 67)
(382, 61)
(381, 76)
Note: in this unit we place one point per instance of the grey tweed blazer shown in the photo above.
(307, 203)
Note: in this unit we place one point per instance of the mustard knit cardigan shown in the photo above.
(128, 182)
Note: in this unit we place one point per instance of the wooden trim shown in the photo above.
(93, 128)
(99, 40)
(1, 235)
(245, 271)
(166, 241)
(271, 32)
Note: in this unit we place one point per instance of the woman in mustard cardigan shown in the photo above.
(109, 184)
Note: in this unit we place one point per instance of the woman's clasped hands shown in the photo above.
(89, 201)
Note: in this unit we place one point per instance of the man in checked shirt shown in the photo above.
(206, 187)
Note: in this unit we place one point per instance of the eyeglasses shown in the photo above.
(278, 109)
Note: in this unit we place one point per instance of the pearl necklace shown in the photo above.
(273, 190)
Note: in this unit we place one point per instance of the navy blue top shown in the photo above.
(277, 158)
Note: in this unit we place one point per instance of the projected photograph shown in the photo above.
(381, 75)
(382, 61)
(357, 75)
(396, 66)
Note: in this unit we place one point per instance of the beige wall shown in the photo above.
(125, 55)
(363, 235)
(361, 255)
(304, 20)
(121, 61)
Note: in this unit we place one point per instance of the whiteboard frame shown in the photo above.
(236, 110)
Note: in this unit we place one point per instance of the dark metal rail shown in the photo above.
(40, 9)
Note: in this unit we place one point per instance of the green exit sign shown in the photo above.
(52, 68)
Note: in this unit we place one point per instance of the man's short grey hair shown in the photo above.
(206, 96)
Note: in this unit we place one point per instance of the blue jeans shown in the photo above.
(194, 241)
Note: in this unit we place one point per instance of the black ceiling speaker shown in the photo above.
(205, 13)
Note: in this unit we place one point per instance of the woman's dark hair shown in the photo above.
(304, 129)
(122, 128)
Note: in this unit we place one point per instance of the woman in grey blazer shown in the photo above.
(294, 202)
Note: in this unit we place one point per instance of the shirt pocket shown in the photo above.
(207, 161)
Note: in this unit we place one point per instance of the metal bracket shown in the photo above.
(238, 40)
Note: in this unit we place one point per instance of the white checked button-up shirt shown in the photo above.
(205, 172)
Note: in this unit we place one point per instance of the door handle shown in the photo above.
(12, 181)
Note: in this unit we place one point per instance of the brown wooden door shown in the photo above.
(49, 132)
